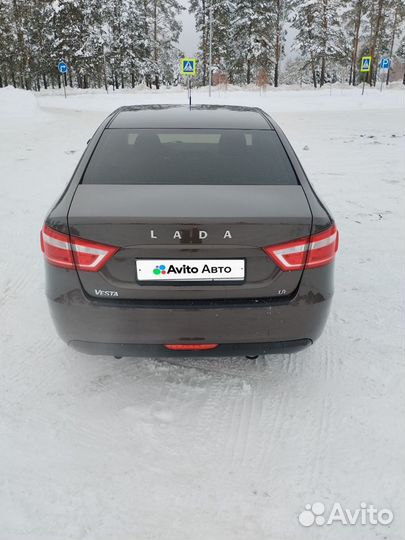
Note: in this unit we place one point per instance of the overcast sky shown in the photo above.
(189, 37)
(188, 41)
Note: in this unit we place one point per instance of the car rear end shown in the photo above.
(172, 238)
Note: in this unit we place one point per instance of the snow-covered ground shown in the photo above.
(194, 449)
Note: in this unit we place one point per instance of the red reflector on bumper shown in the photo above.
(192, 347)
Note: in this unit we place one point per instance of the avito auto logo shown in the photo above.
(187, 269)
(160, 269)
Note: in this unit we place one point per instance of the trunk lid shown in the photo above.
(189, 222)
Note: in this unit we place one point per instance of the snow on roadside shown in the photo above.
(94, 448)
(17, 103)
(272, 100)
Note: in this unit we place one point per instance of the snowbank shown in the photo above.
(273, 100)
(17, 103)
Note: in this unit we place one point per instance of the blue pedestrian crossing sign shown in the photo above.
(189, 66)
(385, 63)
(63, 67)
(365, 64)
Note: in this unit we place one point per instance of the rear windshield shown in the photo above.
(189, 156)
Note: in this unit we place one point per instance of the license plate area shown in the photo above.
(189, 271)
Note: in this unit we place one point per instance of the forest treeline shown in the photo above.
(127, 42)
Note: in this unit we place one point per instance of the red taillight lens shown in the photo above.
(192, 347)
(56, 247)
(90, 256)
(70, 252)
(310, 252)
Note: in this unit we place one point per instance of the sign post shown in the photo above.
(385, 64)
(63, 69)
(189, 69)
(365, 67)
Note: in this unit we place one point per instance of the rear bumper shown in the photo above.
(138, 329)
(225, 349)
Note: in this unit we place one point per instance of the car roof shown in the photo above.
(182, 116)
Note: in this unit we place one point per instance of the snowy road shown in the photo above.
(231, 449)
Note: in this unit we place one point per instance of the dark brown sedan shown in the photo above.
(189, 230)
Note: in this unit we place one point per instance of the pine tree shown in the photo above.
(252, 28)
(7, 45)
(394, 27)
(306, 19)
(163, 33)
(219, 19)
(353, 19)
(200, 9)
(376, 24)
(331, 38)
(320, 38)
(400, 52)
(41, 39)
(223, 40)
(281, 14)
(22, 54)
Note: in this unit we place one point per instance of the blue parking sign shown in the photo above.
(385, 63)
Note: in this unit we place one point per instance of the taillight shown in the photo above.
(70, 252)
(310, 252)
(192, 347)
(56, 247)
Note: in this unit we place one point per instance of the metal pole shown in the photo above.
(210, 54)
(189, 91)
(105, 70)
(64, 83)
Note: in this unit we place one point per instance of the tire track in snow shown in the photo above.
(291, 364)
(272, 438)
(209, 420)
(239, 436)
(244, 420)
(220, 410)
(321, 442)
(322, 409)
(328, 359)
(247, 420)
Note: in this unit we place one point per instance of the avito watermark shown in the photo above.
(365, 514)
